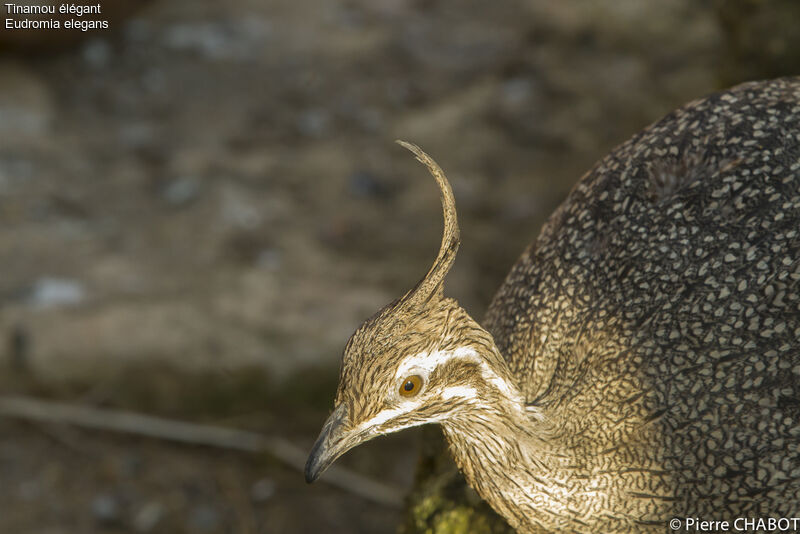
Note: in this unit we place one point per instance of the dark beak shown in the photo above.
(332, 442)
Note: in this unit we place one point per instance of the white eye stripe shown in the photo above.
(427, 362)
(424, 363)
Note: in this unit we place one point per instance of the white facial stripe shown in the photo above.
(383, 416)
(409, 424)
(387, 415)
(466, 392)
(424, 363)
(427, 362)
(492, 378)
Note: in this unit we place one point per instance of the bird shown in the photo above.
(640, 363)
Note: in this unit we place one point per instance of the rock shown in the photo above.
(239, 210)
(203, 518)
(182, 191)
(97, 53)
(26, 107)
(227, 39)
(270, 258)
(30, 490)
(148, 517)
(314, 122)
(262, 490)
(106, 509)
(50, 292)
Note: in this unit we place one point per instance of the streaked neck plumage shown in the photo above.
(500, 437)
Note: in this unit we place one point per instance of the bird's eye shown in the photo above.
(411, 386)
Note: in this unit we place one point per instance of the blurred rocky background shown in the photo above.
(199, 205)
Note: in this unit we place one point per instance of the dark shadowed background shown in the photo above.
(199, 205)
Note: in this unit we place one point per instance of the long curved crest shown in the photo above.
(431, 285)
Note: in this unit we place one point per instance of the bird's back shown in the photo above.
(659, 309)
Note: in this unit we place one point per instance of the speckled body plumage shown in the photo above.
(657, 316)
(642, 359)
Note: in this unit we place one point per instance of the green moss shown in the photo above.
(424, 510)
(437, 515)
(454, 521)
(441, 502)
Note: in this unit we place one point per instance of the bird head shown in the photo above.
(421, 359)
